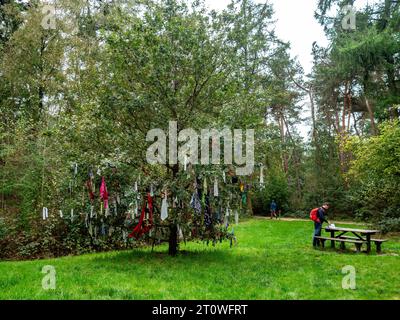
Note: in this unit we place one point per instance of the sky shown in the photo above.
(295, 23)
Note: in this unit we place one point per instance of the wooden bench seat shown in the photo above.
(355, 238)
(378, 242)
(342, 241)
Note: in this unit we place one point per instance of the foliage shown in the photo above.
(275, 188)
(375, 176)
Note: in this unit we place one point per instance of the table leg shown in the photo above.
(368, 243)
(332, 241)
(378, 247)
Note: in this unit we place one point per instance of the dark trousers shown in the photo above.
(317, 233)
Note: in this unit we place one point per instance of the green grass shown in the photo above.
(273, 260)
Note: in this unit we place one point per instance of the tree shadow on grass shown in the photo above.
(199, 257)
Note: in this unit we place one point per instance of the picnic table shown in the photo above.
(359, 237)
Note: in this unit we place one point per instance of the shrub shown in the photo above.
(276, 188)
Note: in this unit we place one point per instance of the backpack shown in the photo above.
(314, 214)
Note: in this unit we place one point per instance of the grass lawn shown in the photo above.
(273, 260)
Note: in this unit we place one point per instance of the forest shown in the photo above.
(83, 82)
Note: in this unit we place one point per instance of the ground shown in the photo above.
(272, 260)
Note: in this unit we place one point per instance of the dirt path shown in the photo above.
(298, 219)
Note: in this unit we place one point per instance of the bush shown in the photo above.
(375, 177)
(3, 229)
(276, 188)
(390, 225)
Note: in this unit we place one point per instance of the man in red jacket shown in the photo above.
(321, 214)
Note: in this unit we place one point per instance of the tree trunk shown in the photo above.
(372, 118)
(355, 125)
(314, 122)
(173, 241)
(285, 158)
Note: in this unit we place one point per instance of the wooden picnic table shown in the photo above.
(359, 234)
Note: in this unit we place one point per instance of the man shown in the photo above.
(321, 218)
(273, 209)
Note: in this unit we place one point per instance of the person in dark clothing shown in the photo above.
(273, 208)
(318, 224)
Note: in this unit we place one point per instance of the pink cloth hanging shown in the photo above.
(104, 193)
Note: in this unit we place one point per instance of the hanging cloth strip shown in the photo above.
(142, 229)
(232, 238)
(227, 215)
(164, 207)
(180, 233)
(244, 198)
(125, 236)
(104, 193)
(216, 191)
(236, 217)
(135, 209)
(175, 203)
(244, 193)
(152, 191)
(87, 220)
(45, 213)
(185, 162)
(89, 186)
(103, 228)
(195, 202)
(205, 192)
(207, 213)
(115, 206)
(262, 176)
(137, 199)
(118, 199)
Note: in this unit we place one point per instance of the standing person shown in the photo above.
(273, 209)
(318, 215)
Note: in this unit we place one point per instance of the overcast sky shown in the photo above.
(295, 23)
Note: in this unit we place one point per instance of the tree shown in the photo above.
(82, 98)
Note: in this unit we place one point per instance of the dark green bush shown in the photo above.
(276, 188)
